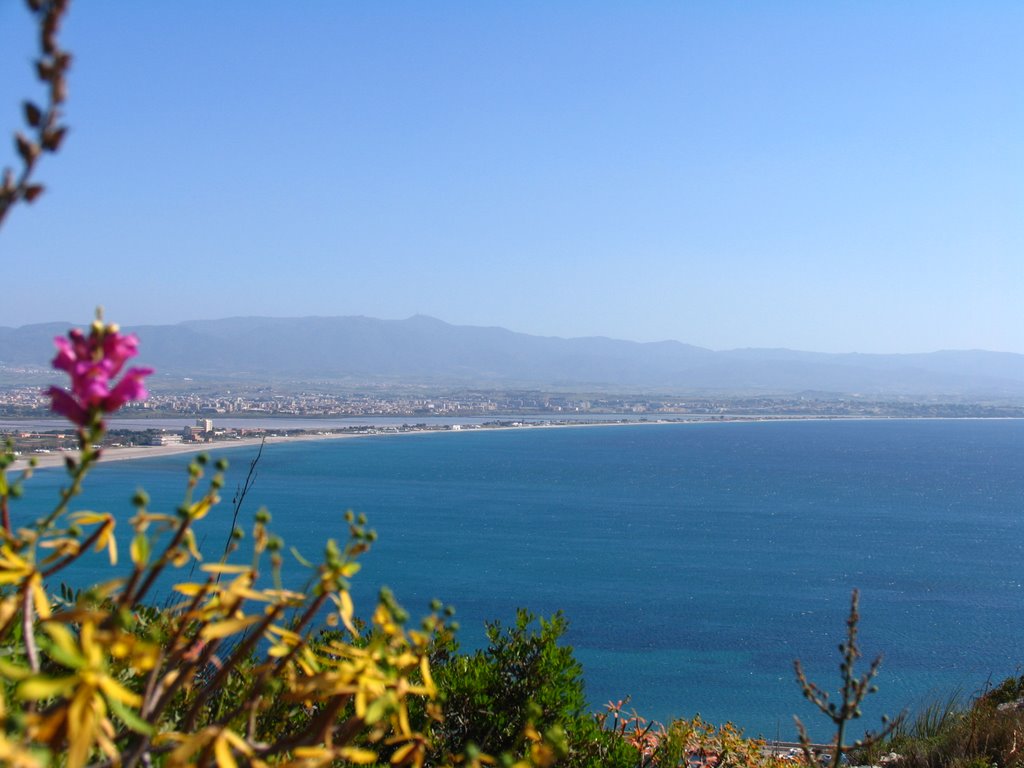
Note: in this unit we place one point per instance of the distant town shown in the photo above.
(30, 402)
(481, 409)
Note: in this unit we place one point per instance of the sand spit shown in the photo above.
(119, 453)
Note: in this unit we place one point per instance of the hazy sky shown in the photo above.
(822, 176)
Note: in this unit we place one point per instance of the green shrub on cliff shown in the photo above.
(523, 678)
(988, 731)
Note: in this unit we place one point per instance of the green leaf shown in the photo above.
(61, 655)
(38, 688)
(139, 550)
(300, 558)
(131, 718)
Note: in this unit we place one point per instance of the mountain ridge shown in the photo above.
(424, 349)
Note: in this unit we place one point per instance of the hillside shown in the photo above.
(424, 350)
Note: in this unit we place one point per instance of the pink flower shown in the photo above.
(93, 362)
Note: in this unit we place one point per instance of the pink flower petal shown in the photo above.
(92, 362)
(66, 405)
(117, 349)
(131, 387)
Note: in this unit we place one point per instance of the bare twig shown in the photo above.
(43, 123)
(28, 628)
(240, 493)
(852, 694)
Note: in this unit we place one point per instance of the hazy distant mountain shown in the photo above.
(426, 350)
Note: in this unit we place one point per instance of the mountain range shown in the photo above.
(424, 350)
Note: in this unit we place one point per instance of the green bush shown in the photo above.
(524, 681)
(523, 676)
(950, 734)
(1009, 690)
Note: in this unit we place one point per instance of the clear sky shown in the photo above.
(821, 176)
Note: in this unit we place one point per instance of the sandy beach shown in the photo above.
(56, 458)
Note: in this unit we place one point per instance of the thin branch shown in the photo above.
(43, 123)
(27, 627)
(83, 548)
(241, 491)
(852, 694)
(240, 653)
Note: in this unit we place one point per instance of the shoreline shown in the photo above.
(133, 453)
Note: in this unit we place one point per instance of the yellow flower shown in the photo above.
(90, 691)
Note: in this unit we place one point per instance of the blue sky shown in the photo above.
(820, 176)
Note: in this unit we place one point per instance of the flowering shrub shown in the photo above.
(692, 742)
(233, 670)
(93, 362)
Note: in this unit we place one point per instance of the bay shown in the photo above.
(694, 561)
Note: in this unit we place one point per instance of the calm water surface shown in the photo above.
(695, 562)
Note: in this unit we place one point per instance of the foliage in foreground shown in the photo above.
(233, 670)
(236, 669)
(227, 673)
(526, 677)
(846, 707)
(44, 130)
(949, 733)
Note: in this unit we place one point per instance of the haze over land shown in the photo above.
(424, 350)
(817, 176)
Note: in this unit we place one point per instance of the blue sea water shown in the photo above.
(695, 562)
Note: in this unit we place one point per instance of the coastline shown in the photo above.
(131, 453)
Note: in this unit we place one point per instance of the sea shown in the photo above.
(694, 562)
